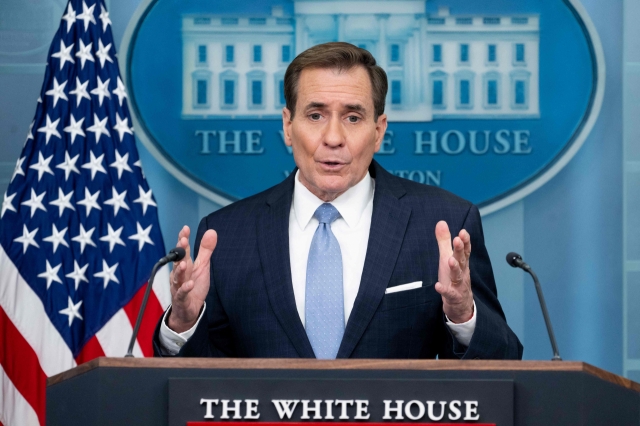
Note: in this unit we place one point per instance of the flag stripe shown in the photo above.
(90, 351)
(14, 409)
(115, 335)
(152, 314)
(161, 287)
(21, 366)
(25, 309)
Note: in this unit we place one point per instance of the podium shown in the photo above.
(195, 392)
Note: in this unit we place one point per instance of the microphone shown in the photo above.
(175, 255)
(515, 260)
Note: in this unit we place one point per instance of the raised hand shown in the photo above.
(454, 277)
(190, 281)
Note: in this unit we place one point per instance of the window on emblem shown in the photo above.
(492, 92)
(464, 53)
(437, 53)
(229, 92)
(281, 92)
(202, 92)
(286, 53)
(202, 54)
(229, 54)
(438, 98)
(491, 53)
(257, 54)
(256, 92)
(396, 92)
(519, 53)
(464, 92)
(395, 53)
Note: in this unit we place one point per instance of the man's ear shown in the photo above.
(286, 125)
(381, 129)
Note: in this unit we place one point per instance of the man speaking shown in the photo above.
(342, 259)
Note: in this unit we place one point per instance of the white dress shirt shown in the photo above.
(351, 230)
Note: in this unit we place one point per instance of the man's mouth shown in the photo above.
(331, 165)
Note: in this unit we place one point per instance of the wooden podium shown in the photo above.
(181, 391)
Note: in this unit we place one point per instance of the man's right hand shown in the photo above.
(190, 281)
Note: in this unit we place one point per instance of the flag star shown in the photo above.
(63, 201)
(104, 17)
(84, 53)
(69, 164)
(72, 311)
(103, 53)
(117, 201)
(145, 199)
(87, 15)
(56, 238)
(84, 238)
(18, 169)
(50, 128)
(80, 91)
(51, 274)
(78, 274)
(64, 54)
(120, 91)
(70, 17)
(30, 134)
(7, 204)
(139, 164)
(102, 90)
(99, 127)
(42, 166)
(122, 126)
(39, 100)
(27, 239)
(75, 128)
(35, 202)
(108, 273)
(95, 165)
(90, 201)
(113, 237)
(121, 164)
(142, 236)
(57, 92)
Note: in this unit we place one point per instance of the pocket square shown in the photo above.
(403, 287)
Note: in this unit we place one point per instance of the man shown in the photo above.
(342, 259)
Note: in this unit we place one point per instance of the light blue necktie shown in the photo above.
(324, 301)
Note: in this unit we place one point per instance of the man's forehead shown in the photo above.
(347, 87)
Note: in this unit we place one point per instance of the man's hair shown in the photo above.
(341, 57)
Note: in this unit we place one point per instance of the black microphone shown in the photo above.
(515, 260)
(174, 255)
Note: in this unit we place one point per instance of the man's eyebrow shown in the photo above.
(356, 108)
(314, 105)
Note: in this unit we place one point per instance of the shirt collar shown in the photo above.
(351, 204)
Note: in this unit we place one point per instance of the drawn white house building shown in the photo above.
(439, 66)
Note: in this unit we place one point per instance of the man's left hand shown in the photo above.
(454, 278)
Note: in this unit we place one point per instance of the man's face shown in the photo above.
(333, 132)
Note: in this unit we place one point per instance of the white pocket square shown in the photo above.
(403, 287)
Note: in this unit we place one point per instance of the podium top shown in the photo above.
(344, 364)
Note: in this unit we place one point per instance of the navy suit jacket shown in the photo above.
(251, 310)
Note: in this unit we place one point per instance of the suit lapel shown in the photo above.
(388, 224)
(273, 246)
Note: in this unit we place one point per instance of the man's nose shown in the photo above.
(334, 135)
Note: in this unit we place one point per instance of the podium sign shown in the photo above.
(282, 399)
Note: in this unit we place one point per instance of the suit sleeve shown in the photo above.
(212, 336)
(492, 337)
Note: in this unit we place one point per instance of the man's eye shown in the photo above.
(315, 117)
(353, 119)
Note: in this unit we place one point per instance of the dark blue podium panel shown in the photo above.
(340, 399)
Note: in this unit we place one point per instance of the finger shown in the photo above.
(455, 272)
(443, 236)
(444, 290)
(458, 252)
(466, 239)
(184, 291)
(207, 245)
(183, 241)
(178, 275)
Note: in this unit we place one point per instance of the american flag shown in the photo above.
(79, 227)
